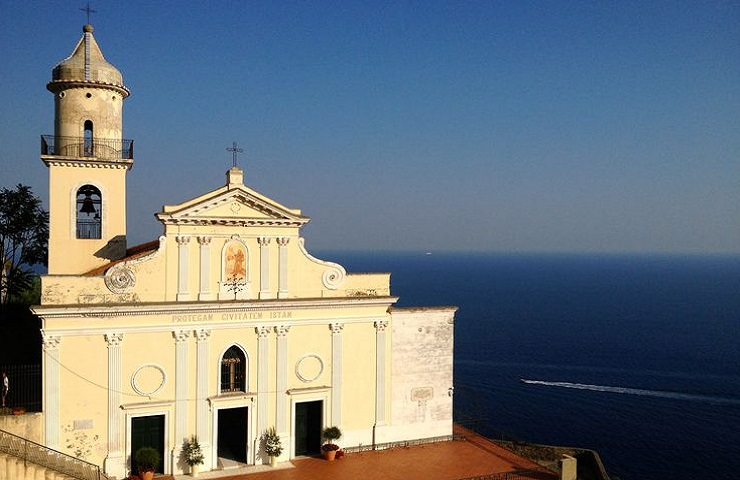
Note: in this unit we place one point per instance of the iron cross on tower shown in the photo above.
(234, 152)
(88, 10)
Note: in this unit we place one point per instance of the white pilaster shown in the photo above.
(51, 389)
(282, 266)
(205, 269)
(182, 268)
(336, 372)
(380, 371)
(116, 458)
(201, 394)
(264, 243)
(263, 370)
(281, 420)
(181, 393)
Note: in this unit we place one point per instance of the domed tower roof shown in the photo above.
(86, 66)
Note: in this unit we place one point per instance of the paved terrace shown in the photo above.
(470, 456)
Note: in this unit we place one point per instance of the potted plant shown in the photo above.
(193, 455)
(147, 461)
(330, 448)
(273, 447)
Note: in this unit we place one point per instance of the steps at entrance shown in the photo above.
(229, 464)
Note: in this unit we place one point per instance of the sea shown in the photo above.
(634, 356)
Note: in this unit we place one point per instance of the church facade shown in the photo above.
(223, 327)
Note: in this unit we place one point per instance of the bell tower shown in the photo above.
(88, 160)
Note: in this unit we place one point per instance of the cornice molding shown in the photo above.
(59, 85)
(86, 162)
(201, 331)
(231, 222)
(299, 391)
(197, 214)
(147, 405)
(180, 308)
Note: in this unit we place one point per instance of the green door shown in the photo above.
(308, 421)
(147, 432)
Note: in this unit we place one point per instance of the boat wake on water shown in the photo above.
(636, 391)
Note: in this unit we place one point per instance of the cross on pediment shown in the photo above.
(235, 150)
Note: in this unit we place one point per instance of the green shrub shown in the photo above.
(147, 459)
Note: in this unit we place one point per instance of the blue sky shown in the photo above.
(432, 125)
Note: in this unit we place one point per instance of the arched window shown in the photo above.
(89, 202)
(233, 370)
(88, 147)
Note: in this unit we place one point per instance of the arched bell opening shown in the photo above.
(89, 212)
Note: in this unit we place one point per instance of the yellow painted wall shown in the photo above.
(358, 382)
(68, 254)
(84, 390)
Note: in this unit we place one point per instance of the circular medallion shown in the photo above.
(148, 379)
(119, 279)
(309, 367)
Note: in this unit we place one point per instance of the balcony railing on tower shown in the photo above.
(103, 148)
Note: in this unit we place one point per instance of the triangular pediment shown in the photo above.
(239, 206)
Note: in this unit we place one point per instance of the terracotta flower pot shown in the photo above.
(330, 454)
(148, 475)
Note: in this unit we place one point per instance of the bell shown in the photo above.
(88, 206)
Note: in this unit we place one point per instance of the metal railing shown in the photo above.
(36, 454)
(108, 149)
(515, 475)
(88, 230)
(400, 444)
(24, 387)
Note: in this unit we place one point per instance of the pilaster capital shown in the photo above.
(262, 331)
(282, 330)
(336, 328)
(182, 240)
(180, 335)
(282, 241)
(380, 325)
(204, 240)
(113, 339)
(202, 335)
(263, 241)
(50, 341)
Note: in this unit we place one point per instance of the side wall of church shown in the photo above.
(422, 373)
